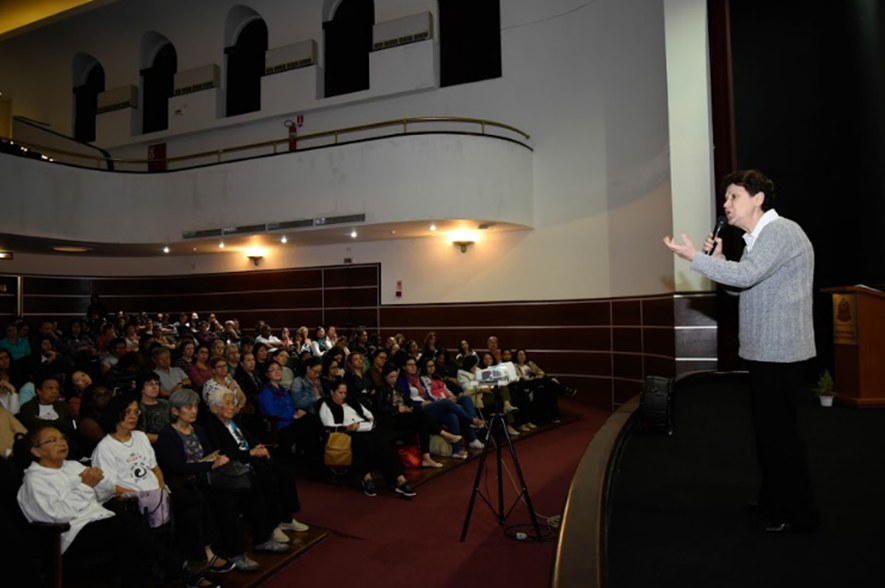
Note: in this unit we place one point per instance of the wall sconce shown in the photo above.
(463, 245)
(256, 259)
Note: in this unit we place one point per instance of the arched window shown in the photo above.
(88, 84)
(245, 61)
(159, 64)
(348, 42)
(469, 41)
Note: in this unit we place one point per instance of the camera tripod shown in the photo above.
(497, 422)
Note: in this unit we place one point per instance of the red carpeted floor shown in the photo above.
(389, 541)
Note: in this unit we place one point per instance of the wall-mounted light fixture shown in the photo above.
(256, 259)
(463, 245)
(6, 255)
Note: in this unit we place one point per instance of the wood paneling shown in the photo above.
(627, 312)
(350, 297)
(627, 339)
(350, 277)
(658, 312)
(528, 314)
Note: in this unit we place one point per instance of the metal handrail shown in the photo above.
(336, 133)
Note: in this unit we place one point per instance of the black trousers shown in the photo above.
(371, 450)
(786, 492)
(415, 422)
(280, 493)
(227, 505)
(306, 434)
(118, 546)
(194, 523)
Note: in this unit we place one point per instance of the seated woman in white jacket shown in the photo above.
(56, 490)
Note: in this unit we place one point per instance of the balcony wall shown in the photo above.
(394, 179)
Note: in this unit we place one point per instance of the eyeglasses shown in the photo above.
(221, 365)
(53, 441)
(133, 411)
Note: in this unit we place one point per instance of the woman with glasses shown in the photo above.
(333, 372)
(281, 356)
(58, 490)
(154, 410)
(222, 380)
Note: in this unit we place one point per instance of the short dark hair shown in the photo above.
(753, 181)
(313, 362)
(389, 368)
(40, 380)
(115, 411)
(468, 362)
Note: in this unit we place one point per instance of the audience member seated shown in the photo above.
(186, 350)
(447, 369)
(222, 380)
(56, 490)
(436, 391)
(308, 389)
(232, 355)
(89, 429)
(445, 412)
(250, 381)
(297, 424)
(8, 394)
(116, 349)
(199, 372)
(545, 391)
(172, 378)
(430, 346)
(203, 335)
(281, 356)
(267, 337)
(482, 394)
(44, 358)
(47, 409)
(126, 457)
(11, 374)
(376, 370)
(277, 480)
(492, 345)
(15, 343)
(320, 343)
(360, 386)
(155, 414)
(131, 337)
(397, 414)
(332, 372)
(9, 428)
(185, 452)
(216, 349)
(370, 447)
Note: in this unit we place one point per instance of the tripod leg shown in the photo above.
(479, 468)
(498, 458)
(525, 490)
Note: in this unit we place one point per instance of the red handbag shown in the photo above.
(410, 456)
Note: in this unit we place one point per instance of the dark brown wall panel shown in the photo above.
(352, 318)
(32, 285)
(233, 282)
(659, 342)
(627, 339)
(624, 390)
(627, 366)
(627, 312)
(695, 310)
(350, 297)
(659, 366)
(349, 277)
(658, 312)
(530, 314)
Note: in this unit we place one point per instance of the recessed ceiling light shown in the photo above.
(284, 240)
(165, 250)
(71, 249)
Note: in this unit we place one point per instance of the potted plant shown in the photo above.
(825, 389)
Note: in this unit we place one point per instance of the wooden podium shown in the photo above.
(859, 345)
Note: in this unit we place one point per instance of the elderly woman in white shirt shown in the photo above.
(370, 447)
(56, 490)
(127, 458)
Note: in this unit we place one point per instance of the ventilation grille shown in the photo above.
(195, 88)
(288, 66)
(401, 41)
(113, 107)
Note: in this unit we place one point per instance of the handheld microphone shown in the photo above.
(720, 224)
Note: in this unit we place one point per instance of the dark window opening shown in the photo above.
(245, 66)
(86, 104)
(470, 41)
(348, 42)
(158, 84)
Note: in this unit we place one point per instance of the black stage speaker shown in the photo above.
(656, 405)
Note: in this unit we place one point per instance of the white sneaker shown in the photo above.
(244, 564)
(294, 526)
(476, 444)
(279, 536)
(271, 546)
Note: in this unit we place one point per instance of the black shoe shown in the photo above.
(405, 489)
(369, 487)
(570, 392)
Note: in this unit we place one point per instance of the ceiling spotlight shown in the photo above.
(195, 248)
(432, 227)
(284, 240)
(353, 233)
(221, 244)
(165, 250)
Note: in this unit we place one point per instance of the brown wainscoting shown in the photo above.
(347, 296)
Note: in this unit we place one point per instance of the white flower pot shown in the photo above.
(826, 400)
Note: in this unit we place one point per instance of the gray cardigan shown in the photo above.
(775, 283)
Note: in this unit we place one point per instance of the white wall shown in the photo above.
(588, 81)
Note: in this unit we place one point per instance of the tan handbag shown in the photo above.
(338, 452)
